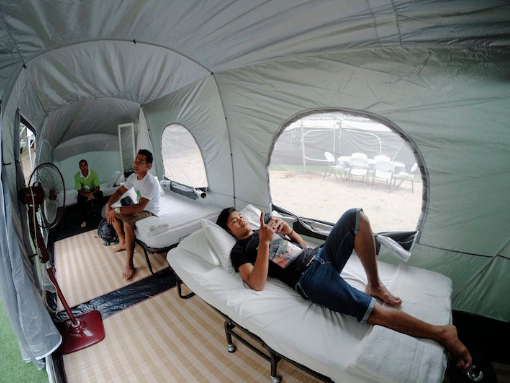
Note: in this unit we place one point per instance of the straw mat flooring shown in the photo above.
(168, 339)
(87, 269)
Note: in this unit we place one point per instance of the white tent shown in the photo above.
(235, 72)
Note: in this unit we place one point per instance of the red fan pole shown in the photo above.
(77, 332)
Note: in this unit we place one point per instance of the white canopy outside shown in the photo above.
(234, 72)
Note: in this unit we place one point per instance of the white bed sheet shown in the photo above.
(307, 333)
(179, 217)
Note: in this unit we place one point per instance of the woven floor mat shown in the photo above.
(87, 269)
(168, 339)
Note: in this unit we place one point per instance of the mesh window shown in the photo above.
(182, 159)
(315, 172)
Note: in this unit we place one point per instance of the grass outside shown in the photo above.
(13, 368)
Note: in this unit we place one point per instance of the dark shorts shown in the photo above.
(321, 282)
(131, 219)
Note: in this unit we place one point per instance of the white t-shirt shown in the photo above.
(148, 188)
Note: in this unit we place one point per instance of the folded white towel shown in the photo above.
(389, 356)
(152, 225)
(385, 355)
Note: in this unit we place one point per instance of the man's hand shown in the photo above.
(111, 216)
(282, 227)
(267, 230)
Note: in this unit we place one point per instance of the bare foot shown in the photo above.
(459, 352)
(121, 246)
(128, 272)
(84, 224)
(382, 292)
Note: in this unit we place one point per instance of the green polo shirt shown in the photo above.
(89, 183)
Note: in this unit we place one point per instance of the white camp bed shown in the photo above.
(179, 217)
(322, 342)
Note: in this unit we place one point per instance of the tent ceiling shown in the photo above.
(88, 117)
(226, 34)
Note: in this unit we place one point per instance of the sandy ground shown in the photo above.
(307, 195)
(25, 163)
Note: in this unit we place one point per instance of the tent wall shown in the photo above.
(445, 101)
(197, 107)
(438, 70)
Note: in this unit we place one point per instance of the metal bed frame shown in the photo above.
(152, 250)
(274, 357)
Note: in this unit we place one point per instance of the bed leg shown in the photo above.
(228, 327)
(179, 289)
(148, 260)
(274, 367)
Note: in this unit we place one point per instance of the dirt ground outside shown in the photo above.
(308, 195)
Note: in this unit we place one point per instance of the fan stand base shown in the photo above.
(89, 331)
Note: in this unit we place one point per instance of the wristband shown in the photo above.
(292, 232)
(117, 210)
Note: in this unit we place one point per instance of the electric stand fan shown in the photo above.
(46, 193)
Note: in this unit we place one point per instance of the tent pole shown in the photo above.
(303, 145)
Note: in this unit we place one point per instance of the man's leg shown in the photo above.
(446, 335)
(129, 268)
(82, 201)
(117, 225)
(364, 245)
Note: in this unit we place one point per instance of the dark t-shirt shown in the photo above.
(287, 260)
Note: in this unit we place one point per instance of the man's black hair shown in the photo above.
(79, 163)
(148, 155)
(223, 218)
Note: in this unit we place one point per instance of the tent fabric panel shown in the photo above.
(37, 335)
(198, 108)
(87, 117)
(487, 291)
(136, 72)
(480, 283)
(81, 145)
(222, 35)
(405, 87)
(105, 163)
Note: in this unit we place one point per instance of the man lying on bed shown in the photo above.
(315, 273)
(124, 218)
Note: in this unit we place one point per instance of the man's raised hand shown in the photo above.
(267, 230)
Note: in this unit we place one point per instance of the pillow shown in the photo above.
(197, 243)
(114, 178)
(252, 214)
(222, 243)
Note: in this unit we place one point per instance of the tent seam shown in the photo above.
(375, 22)
(229, 138)
(397, 23)
(136, 42)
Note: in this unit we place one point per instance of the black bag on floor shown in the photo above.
(107, 233)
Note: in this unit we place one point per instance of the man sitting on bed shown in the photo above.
(315, 272)
(124, 218)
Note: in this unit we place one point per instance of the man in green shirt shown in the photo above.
(87, 183)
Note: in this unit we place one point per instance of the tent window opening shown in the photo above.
(182, 159)
(27, 147)
(325, 163)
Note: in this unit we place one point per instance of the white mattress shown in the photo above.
(179, 217)
(307, 333)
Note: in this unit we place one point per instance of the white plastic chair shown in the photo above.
(358, 167)
(405, 176)
(359, 155)
(333, 167)
(381, 157)
(384, 171)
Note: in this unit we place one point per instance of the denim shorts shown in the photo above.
(321, 282)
